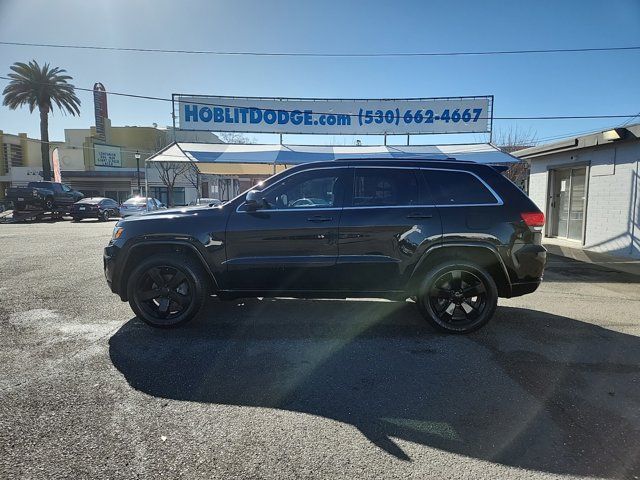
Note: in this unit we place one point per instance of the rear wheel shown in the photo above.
(104, 217)
(458, 297)
(167, 290)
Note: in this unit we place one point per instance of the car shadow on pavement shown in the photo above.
(564, 269)
(530, 390)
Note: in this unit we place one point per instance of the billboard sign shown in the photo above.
(107, 156)
(335, 116)
(100, 109)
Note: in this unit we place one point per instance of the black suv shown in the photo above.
(453, 236)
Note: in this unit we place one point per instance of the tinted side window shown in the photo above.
(313, 189)
(457, 188)
(374, 187)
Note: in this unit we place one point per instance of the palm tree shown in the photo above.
(41, 87)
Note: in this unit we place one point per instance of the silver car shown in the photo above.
(213, 202)
(138, 205)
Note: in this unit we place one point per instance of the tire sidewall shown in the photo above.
(195, 278)
(427, 310)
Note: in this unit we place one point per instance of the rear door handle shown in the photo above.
(319, 218)
(419, 215)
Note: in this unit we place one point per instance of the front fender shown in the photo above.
(143, 248)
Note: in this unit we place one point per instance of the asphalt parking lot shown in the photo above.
(281, 388)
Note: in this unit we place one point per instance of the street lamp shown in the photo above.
(138, 170)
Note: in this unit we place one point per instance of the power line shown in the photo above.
(327, 54)
(213, 104)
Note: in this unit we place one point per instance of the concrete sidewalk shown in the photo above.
(572, 250)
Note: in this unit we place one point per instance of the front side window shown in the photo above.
(458, 188)
(375, 187)
(65, 188)
(312, 189)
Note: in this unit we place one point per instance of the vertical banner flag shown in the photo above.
(55, 163)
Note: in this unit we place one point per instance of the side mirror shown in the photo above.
(254, 200)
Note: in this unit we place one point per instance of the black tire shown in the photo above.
(48, 204)
(443, 303)
(76, 219)
(104, 217)
(174, 303)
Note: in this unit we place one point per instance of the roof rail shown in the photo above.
(403, 159)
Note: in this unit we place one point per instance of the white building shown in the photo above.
(587, 187)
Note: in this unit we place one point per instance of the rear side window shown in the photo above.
(374, 187)
(457, 188)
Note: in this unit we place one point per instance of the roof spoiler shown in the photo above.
(500, 168)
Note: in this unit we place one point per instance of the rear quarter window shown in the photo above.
(458, 188)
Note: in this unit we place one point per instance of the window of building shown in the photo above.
(162, 194)
(15, 156)
(227, 188)
(384, 187)
(457, 188)
(5, 153)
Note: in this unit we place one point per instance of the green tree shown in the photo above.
(41, 88)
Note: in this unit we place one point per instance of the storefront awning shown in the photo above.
(241, 159)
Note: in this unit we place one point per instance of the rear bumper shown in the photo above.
(528, 262)
(519, 289)
(85, 214)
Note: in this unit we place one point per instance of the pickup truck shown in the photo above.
(47, 196)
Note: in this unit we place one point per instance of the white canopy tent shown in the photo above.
(239, 159)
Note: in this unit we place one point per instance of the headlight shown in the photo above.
(117, 233)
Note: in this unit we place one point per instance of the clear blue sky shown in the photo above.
(549, 84)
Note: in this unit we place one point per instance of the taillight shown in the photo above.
(533, 219)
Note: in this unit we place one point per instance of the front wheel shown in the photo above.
(458, 297)
(167, 290)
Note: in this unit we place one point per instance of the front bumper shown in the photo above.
(109, 258)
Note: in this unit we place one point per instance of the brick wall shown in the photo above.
(612, 185)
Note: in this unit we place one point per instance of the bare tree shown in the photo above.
(512, 140)
(169, 173)
(234, 137)
(192, 175)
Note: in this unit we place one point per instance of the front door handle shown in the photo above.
(319, 218)
(419, 215)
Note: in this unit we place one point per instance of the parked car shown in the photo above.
(48, 196)
(452, 235)
(138, 205)
(5, 205)
(212, 202)
(96, 207)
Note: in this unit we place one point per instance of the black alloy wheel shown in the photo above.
(458, 298)
(105, 216)
(166, 291)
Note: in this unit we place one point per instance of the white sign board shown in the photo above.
(107, 156)
(335, 117)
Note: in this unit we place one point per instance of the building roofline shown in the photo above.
(618, 134)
